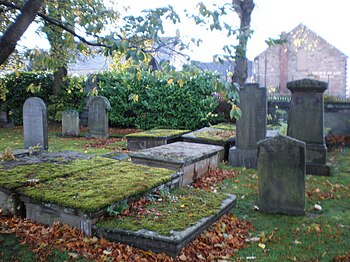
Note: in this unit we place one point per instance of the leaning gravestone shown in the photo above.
(98, 117)
(281, 172)
(70, 123)
(306, 122)
(35, 123)
(251, 127)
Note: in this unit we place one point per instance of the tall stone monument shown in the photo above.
(98, 117)
(251, 127)
(306, 122)
(281, 173)
(35, 123)
(70, 123)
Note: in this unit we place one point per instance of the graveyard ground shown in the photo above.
(245, 234)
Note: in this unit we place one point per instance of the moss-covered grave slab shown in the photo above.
(153, 138)
(79, 191)
(221, 134)
(170, 225)
(192, 159)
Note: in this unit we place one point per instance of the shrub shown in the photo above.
(159, 100)
(18, 86)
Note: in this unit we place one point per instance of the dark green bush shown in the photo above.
(19, 86)
(148, 100)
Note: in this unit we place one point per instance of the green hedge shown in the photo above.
(141, 99)
(151, 100)
(18, 86)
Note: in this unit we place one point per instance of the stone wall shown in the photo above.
(305, 55)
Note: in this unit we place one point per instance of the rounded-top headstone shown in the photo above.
(35, 123)
(307, 85)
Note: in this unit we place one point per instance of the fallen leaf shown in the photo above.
(261, 245)
(183, 257)
(253, 239)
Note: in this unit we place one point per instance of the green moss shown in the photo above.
(158, 133)
(97, 188)
(189, 207)
(216, 135)
(225, 126)
(18, 176)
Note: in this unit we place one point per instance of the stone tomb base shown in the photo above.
(153, 138)
(243, 157)
(169, 244)
(48, 213)
(212, 136)
(194, 160)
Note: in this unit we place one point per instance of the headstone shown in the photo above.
(70, 123)
(98, 117)
(35, 123)
(90, 84)
(251, 127)
(306, 122)
(281, 173)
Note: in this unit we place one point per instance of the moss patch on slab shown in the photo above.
(19, 175)
(158, 133)
(225, 126)
(184, 208)
(216, 135)
(97, 188)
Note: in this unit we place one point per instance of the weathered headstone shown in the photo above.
(91, 84)
(251, 127)
(35, 123)
(306, 122)
(98, 117)
(70, 123)
(281, 172)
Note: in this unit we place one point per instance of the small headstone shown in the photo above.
(35, 123)
(281, 172)
(70, 123)
(251, 127)
(306, 122)
(98, 117)
(91, 84)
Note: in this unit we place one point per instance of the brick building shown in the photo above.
(305, 54)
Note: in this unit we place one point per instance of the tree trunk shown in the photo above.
(244, 9)
(14, 32)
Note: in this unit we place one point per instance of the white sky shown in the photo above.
(329, 19)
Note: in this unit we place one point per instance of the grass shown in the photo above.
(13, 138)
(317, 236)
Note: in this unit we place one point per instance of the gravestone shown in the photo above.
(70, 123)
(98, 117)
(35, 123)
(281, 172)
(306, 122)
(251, 127)
(90, 84)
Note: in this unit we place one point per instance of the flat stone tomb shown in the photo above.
(193, 159)
(170, 244)
(221, 135)
(153, 138)
(75, 192)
